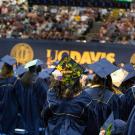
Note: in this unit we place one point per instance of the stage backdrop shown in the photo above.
(50, 51)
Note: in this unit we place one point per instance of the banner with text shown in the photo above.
(51, 51)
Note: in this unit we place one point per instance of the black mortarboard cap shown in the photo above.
(103, 68)
(8, 60)
(128, 67)
(20, 70)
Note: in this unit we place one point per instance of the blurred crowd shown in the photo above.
(42, 22)
(119, 27)
(18, 20)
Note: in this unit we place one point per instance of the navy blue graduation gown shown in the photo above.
(40, 91)
(8, 105)
(69, 116)
(30, 120)
(104, 102)
(123, 107)
(130, 130)
(32, 96)
(130, 101)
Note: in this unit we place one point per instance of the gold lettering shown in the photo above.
(95, 56)
(85, 58)
(49, 55)
(103, 55)
(75, 56)
(61, 53)
(111, 57)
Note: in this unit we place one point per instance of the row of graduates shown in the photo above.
(38, 100)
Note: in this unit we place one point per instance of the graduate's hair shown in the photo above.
(127, 84)
(105, 83)
(9, 69)
(63, 91)
(38, 69)
(27, 79)
(32, 69)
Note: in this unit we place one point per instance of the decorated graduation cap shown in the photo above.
(114, 126)
(68, 71)
(103, 68)
(20, 70)
(8, 60)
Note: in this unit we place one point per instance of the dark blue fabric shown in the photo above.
(130, 130)
(8, 105)
(32, 99)
(40, 92)
(69, 116)
(104, 102)
(29, 119)
(129, 101)
(123, 107)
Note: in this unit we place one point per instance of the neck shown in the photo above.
(96, 85)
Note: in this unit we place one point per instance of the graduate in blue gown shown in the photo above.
(113, 126)
(66, 112)
(128, 99)
(105, 101)
(129, 80)
(28, 101)
(33, 97)
(40, 86)
(8, 99)
(130, 129)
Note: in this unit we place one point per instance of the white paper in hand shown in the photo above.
(118, 77)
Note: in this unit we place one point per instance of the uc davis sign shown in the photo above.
(50, 51)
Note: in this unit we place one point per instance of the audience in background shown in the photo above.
(18, 20)
(42, 22)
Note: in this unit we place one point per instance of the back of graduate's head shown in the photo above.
(27, 78)
(108, 82)
(32, 69)
(7, 70)
(67, 75)
(64, 91)
(127, 84)
(97, 80)
(34, 66)
(102, 82)
(38, 69)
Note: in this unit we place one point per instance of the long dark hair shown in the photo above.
(7, 70)
(105, 83)
(64, 91)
